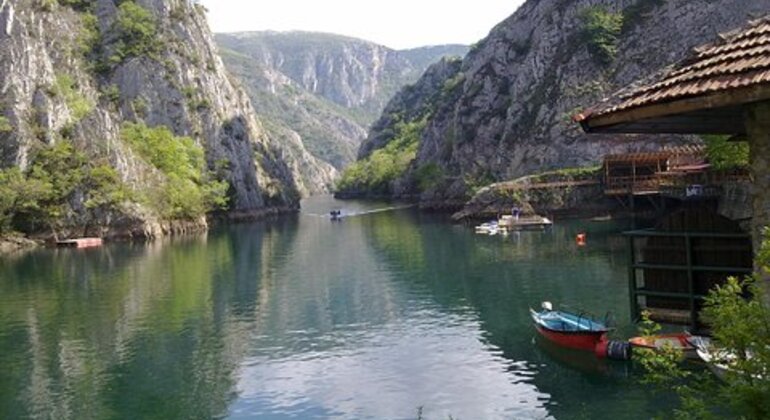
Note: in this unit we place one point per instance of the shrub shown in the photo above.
(601, 30)
(188, 190)
(111, 93)
(137, 33)
(66, 87)
(79, 5)
(724, 154)
(375, 173)
(428, 176)
(5, 125)
(89, 40)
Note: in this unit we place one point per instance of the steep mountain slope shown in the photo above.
(139, 88)
(509, 114)
(327, 88)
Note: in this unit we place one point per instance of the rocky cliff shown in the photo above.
(79, 71)
(325, 88)
(510, 114)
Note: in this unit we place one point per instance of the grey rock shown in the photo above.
(534, 70)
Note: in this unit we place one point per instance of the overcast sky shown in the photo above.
(393, 23)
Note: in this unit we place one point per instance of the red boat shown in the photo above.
(568, 329)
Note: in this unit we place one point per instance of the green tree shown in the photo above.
(601, 30)
(724, 154)
(137, 31)
(376, 173)
(189, 190)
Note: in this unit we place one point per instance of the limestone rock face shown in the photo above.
(520, 85)
(325, 88)
(182, 85)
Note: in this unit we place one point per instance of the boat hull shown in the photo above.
(581, 340)
(678, 341)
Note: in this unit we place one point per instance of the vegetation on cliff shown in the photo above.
(375, 174)
(61, 189)
(188, 190)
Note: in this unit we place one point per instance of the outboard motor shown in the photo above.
(547, 306)
(613, 350)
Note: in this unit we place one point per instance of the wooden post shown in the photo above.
(632, 282)
(758, 129)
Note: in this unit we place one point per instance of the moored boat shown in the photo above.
(679, 341)
(575, 331)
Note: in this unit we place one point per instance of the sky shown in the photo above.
(396, 24)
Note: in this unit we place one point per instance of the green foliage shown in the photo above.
(5, 125)
(475, 182)
(428, 176)
(740, 327)
(111, 93)
(137, 33)
(44, 194)
(375, 173)
(79, 5)
(89, 40)
(453, 83)
(188, 190)
(637, 12)
(66, 88)
(723, 154)
(601, 30)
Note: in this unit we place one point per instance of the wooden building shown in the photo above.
(645, 172)
(723, 88)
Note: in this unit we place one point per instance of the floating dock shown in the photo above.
(507, 224)
(524, 223)
(80, 243)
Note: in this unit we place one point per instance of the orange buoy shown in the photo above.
(580, 239)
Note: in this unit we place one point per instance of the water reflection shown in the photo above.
(299, 317)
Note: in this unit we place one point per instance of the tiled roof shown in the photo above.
(739, 59)
(666, 153)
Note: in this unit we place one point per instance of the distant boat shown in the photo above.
(567, 329)
(679, 341)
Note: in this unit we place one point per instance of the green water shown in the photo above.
(371, 317)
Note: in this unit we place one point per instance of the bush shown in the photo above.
(724, 154)
(89, 39)
(376, 173)
(428, 176)
(601, 30)
(137, 33)
(44, 196)
(188, 190)
(5, 125)
(66, 87)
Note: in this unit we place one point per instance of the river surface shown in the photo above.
(383, 315)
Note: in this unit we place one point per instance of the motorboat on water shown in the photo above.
(567, 329)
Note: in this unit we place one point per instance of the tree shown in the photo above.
(724, 154)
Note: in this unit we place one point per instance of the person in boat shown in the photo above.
(515, 212)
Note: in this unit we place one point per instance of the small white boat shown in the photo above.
(718, 360)
(489, 228)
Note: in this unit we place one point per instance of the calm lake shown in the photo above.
(301, 317)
